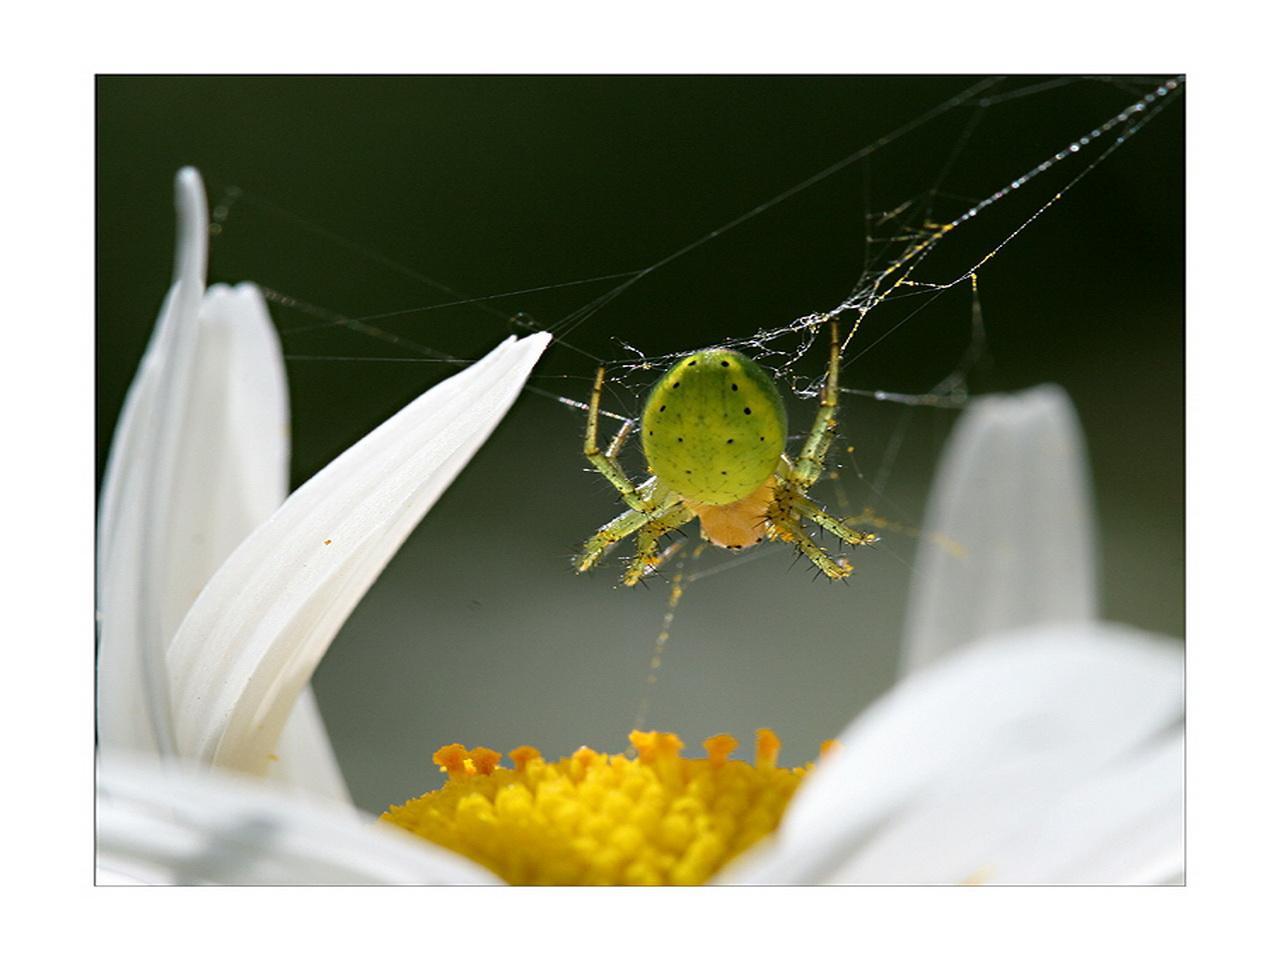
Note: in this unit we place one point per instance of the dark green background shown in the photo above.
(352, 190)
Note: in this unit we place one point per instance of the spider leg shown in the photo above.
(808, 466)
(855, 538)
(606, 461)
(786, 518)
(792, 531)
(607, 537)
(618, 529)
(648, 557)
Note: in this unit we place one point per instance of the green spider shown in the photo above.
(714, 431)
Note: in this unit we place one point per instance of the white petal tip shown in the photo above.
(1025, 411)
(193, 227)
(1009, 526)
(222, 293)
(188, 195)
(188, 177)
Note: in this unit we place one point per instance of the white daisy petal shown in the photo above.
(257, 632)
(223, 437)
(1039, 820)
(1075, 697)
(305, 755)
(182, 825)
(134, 533)
(1124, 825)
(232, 462)
(233, 473)
(1009, 530)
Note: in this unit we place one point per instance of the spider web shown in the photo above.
(929, 246)
(901, 241)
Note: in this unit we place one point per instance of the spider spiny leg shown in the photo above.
(607, 537)
(606, 461)
(785, 515)
(834, 569)
(808, 466)
(648, 557)
(855, 538)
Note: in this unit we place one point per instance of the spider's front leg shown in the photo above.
(662, 518)
(607, 537)
(808, 466)
(785, 515)
(790, 530)
(648, 557)
(855, 538)
(606, 461)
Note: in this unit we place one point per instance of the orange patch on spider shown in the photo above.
(740, 524)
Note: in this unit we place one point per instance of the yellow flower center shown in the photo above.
(605, 818)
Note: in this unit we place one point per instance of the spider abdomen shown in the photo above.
(714, 427)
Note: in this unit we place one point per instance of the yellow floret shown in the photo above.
(604, 818)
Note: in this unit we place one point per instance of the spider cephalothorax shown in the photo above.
(714, 432)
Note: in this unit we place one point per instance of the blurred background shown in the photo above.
(359, 197)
